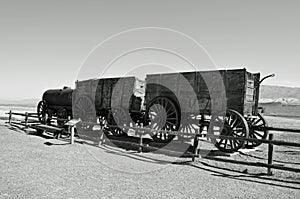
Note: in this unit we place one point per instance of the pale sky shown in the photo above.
(43, 43)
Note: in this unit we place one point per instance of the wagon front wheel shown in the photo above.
(257, 130)
(162, 114)
(231, 124)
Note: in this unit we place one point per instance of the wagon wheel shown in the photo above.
(234, 124)
(162, 114)
(84, 109)
(254, 132)
(42, 111)
(189, 124)
(63, 115)
(117, 119)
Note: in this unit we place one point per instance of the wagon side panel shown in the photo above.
(128, 86)
(84, 89)
(106, 93)
(187, 92)
(161, 85)
(235, 89)
(117, 92)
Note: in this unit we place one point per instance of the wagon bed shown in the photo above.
(241, 90)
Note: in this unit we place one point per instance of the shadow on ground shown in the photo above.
(131, 145)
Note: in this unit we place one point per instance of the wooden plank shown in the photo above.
(256, 93)
(257, 164)
(278, 129)
(274, 142)
(46, 128)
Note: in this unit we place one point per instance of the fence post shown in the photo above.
(270, 154)
(26, 119)
(71, 131)
(195, 148)
(102, 138)
(141, 140)
(9, 117)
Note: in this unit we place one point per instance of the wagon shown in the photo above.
(55, 103)
(220, 102)
(184, 113)
(110, 101)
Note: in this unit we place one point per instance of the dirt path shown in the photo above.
(36, 167)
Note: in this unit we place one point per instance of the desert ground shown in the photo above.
(35, 166)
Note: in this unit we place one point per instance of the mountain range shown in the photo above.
(268, 94)
(280, 94)
(23, 102)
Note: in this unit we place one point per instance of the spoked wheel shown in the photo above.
(42, 111)
(257, 130)
(230, 124)
(189, 124)
(84, 109)
(117, 119)
(162, 114)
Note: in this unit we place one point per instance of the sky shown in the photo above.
(43, 44)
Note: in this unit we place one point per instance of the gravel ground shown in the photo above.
(41, 167)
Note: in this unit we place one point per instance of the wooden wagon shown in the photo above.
(220, 102)
(193, 102)
(114, 101)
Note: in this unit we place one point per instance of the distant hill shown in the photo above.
(277, 92)
(23, 102)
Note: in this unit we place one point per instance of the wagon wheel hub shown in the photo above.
(227, 130)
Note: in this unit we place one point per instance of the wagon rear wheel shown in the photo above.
(162, 114)
(117, 119)
(84, 109)
(42, 112)
(189, 124)
(257, 130)
(231, 124)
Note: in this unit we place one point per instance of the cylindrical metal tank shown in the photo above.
(58, 97)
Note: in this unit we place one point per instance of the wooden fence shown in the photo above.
(141, 131)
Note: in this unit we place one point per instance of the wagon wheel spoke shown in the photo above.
(257, 121)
